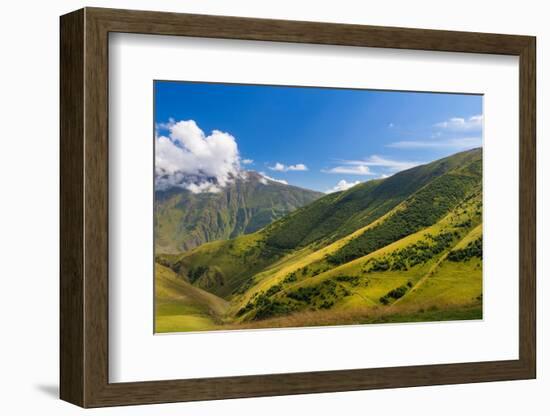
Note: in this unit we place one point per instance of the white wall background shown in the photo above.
(29, 210)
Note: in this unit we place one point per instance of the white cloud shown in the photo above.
(188, 158)
(462, 124)
(458, 143)
(269, 178)
(166, 125)
(363, 167)
(443, 138)
(342, 186)
(280, 167)
(299, 167)
(247, 161)
(198, 188)
(350, 170)
(390, 164)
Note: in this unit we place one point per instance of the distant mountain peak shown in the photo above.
(252, 175)
(186, 217)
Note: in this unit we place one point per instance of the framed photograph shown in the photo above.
(257, 207)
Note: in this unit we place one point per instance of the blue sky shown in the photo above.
(314, 138)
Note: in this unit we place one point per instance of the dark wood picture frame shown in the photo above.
(84, 207)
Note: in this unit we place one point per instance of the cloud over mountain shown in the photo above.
(186, 157)
(343, 185)
(266, 178)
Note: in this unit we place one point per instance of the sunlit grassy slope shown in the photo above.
(179, 306)
(403, 249)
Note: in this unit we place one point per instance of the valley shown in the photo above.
(407, 248)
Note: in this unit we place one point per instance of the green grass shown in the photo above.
(399, 270)
(180, 307)
(183, 322)
(422, 210)
(431, 315)
(339, 214)
(360, 316)
(371, 287)
(451, 284)
(227, 265)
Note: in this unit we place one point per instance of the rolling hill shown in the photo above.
(404, 248)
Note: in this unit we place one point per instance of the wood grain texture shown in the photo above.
(527, 208)
(84, 207)
(71, 208)
(96, 208)
(225, 27)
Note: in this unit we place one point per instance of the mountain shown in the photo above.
(341, 213)
(184, 220)
(404, 248)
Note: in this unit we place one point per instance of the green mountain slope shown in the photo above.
(178, 304)
(339, 214)
(407, 249)
(184, 220)
(373, 281)
(421, 210)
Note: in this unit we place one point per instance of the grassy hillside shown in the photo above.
(339, 214)
(392, 250)
(223, 267)
(421, 210)
(179, 306)
(379, 280)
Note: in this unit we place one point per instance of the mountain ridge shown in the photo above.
(184, 220)
(356, 253)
